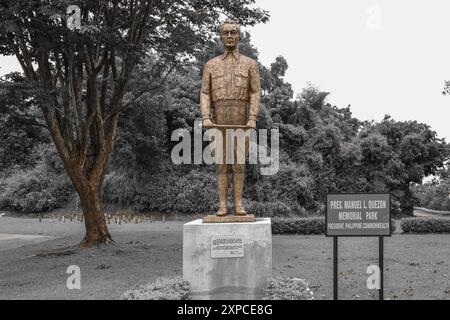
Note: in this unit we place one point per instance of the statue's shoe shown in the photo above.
(221, 212)
(239, 211)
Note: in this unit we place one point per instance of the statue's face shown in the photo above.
(229, 36)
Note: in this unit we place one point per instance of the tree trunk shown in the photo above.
(96, 229)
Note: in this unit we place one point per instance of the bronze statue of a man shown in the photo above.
(230, 96)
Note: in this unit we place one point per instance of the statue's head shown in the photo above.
(230, 34)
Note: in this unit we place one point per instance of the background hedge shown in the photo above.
(425, 225)
(311, 225)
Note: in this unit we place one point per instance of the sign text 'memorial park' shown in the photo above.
(365, 214)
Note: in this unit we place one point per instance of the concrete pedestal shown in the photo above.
(229, 261)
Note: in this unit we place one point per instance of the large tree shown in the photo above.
(398, 154)
(77, 74)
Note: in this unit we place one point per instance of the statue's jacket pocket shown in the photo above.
(218, 84)
(241, 82)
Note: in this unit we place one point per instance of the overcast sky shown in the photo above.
(379, 56)
(392, 64)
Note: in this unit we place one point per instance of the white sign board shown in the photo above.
(227, 247)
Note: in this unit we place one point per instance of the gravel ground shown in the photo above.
(416, 266)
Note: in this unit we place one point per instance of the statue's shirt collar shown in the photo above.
(234, 52)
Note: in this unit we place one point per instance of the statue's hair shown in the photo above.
(232, 23)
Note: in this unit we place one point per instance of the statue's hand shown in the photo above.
(251, 124)
(207, 123)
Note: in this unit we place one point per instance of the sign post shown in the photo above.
(335, 268)
(358, 215)
(381, 265)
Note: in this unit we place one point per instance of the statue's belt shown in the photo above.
(230, 103)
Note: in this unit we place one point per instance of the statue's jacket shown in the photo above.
(231, 87)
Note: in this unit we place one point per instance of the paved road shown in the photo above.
(13, 241)
(423, 212)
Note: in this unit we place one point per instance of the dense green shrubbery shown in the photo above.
(193, 192)
(311, 225)
(35, 190)
(425, 225)
(273, 209)
(290, 190)
(42, 188)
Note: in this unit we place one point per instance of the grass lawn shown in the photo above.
(416, 266)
